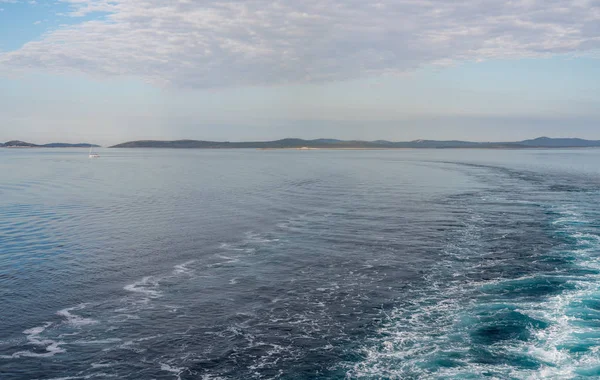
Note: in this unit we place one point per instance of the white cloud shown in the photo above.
(189, 43)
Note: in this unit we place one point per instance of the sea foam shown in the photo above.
(33, 336)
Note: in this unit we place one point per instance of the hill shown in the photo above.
(23, 144)
(18, 144)
(560, 143)
(65, 145)
(277, 144)
(291, 143)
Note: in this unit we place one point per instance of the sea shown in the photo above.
(287, 264)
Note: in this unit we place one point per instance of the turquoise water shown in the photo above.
(241, 264)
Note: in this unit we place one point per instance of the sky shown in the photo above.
(108, 71)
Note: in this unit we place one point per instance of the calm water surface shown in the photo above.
(246, 264)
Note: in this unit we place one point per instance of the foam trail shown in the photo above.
(565, 348)
(147, 285)
(558, 338)
(177, 371)
(52, 347)
(252, 237)
(100, 341)
(229, 247)
(73, 319)
(183, 268)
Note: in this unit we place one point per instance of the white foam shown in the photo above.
(101, 365)
(406, 340)
(102, 375)
(229, 247)
(270, 357)
(177, 371)
(549, 346)
(99, 341)
(74, 319)
(147, 286)
(52, 347)
(183, 268)
(559, 362)
(124, 317)
(255, 238)
(212, 377)
(130, 345)
(586, 237)
(418, 334)
(227, 260)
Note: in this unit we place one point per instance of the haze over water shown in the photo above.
(246, 264)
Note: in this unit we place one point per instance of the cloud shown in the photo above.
(188, 43)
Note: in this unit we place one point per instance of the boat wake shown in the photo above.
(538, 326)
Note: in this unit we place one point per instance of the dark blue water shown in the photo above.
(244, 264)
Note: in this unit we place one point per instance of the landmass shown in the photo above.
(23, 144)
(301, 144)
(291, 143)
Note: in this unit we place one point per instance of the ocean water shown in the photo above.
(248, 264)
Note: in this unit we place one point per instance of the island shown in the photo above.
(23, 144)
(301, 144)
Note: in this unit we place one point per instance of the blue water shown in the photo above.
(247, 264)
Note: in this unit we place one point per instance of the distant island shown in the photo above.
(23, 144)
(291, 143)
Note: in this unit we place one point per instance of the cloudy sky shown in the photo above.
(111, 70)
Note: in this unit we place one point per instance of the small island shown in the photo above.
(23, 144)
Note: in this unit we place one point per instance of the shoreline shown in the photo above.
(410, 148)
(321, 148)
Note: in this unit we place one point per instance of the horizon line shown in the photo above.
(2, 144)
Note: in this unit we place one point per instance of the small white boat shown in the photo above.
(93, 155)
